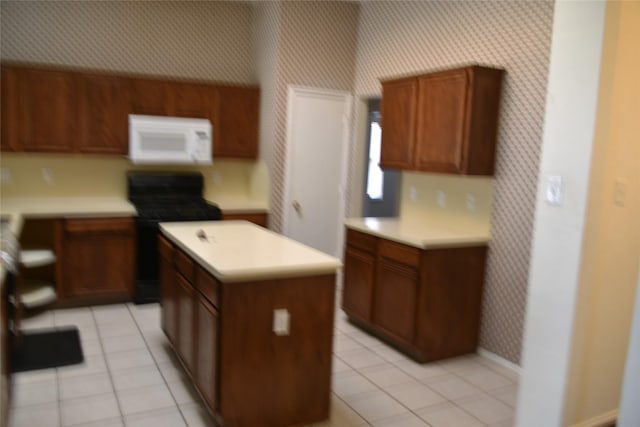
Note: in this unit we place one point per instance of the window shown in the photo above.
(375, 176)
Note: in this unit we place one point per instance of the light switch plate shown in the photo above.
(554, 194)
(281, 320)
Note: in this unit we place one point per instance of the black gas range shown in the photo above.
(162, 197)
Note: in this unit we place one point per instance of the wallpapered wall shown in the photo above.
(314, 44)
(396, 38)
(337, 45)
(198, 40)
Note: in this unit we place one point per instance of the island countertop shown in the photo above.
(239, 251)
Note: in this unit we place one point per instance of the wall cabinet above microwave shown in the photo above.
(56, 110)
(442, 122)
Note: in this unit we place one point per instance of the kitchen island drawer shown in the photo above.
(362, 241)
(185, 266)
(398, 252)
(208, 286)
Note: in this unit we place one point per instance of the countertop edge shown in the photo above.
(451, 242)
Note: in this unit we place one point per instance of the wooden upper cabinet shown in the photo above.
(149, 97)
(105, 102)
(235, 125)
(49, 110)
(192, 100)
(46, 110)
(446, 123)
(9, 118)
(441, 126)
(398, 111)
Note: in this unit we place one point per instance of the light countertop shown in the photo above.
(238, 251)
(423, 234)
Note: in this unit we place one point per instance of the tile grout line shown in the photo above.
(107, 366)
(153, 357)
(451, 401)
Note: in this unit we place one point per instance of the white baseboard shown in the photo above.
(599, 420)
(499, 360)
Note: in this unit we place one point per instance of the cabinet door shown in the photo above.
(192, 100)
(168, 293)
(207, 352)
(186, 343)
(149, 97)
(47, 110)
(105, 102)
(98, 257)
(236, 122)
(396, 294)
(10, 123)
(441, 125)
(357, 292)
(398, 111)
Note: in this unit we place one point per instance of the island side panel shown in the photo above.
(272, 380)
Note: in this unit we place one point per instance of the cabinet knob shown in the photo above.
(297, 206)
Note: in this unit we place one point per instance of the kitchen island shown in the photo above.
(250, 315)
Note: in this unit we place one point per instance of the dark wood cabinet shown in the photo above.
(189, 301)
(246, 374)
(9, 122)
(168, 297)
(46, 115)
(236, 122)
(104, 114)
(359, 273)
(56, 110)
(149, 97)
(97, 258)
(442, 122)
(398, 111)
(185, 297)
(426, 302)
(207, 351)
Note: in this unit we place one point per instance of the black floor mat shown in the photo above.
(47, 349)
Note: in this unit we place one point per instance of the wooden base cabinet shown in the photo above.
(96, 258)
(246, 374)
(426, 302)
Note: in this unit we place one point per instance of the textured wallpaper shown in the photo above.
(198, 40)
(315, 45)
(398, 38)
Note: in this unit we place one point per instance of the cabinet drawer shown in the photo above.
(185, 266)
(99, 225)
(165, 248)
(398, 252)
(208, 286)
(363, 241)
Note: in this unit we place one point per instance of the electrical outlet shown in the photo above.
(5, 174)
(441, 198)
(281, 320)
(471, 202)
(48, 176)
(413, 194)
(216, 178)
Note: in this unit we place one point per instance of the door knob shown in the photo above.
(297, 206)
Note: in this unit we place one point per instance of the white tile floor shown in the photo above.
(131, 378)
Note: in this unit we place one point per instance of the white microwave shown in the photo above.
(161, 140)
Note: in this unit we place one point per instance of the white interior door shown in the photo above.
(317, 129)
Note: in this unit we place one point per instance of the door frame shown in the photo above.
(301, 91)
